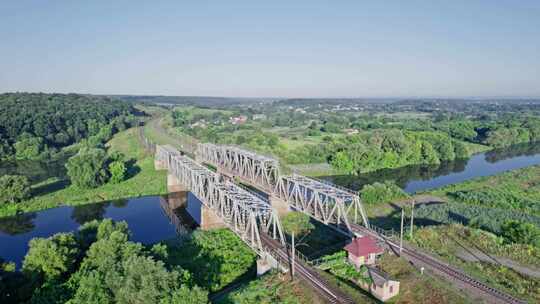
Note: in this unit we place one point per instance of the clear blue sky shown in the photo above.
(272, 48)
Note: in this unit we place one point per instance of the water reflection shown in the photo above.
(150, 219)
(35, 171)
(18, 224)
(174, 205)
(526, 149)
(423, 177)
(87, 213)
(401, 176)
(120, 203)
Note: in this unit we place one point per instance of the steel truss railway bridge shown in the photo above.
(256, 220)
(248, 215)
(325, 202)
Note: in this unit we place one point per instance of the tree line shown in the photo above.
(383, 138)
(97, 264)
(35, 125)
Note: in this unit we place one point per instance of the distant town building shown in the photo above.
(238, 120)
(363, 251)
(259, 117)
(199, 124)
(350, 131)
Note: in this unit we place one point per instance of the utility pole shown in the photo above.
(412, 219)
(401, 234)
(293, 257)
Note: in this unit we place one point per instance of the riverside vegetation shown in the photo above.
(139, 178)
(97, 264)
(75, 131)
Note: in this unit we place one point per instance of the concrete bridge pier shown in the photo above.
(210, 220)
(265, 264)
(280, 205)
(159, 165)
(177, 199)
(174, 185)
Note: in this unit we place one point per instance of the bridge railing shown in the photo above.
(148, 145)
(388, 233)
(329, 183)
(253, 192)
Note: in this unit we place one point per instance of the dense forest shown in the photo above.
(34, 125)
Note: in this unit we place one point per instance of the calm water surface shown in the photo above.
(419, 178)
(150, 219)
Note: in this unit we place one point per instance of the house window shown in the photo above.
(391, 289)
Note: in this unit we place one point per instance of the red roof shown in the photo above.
(362, 246)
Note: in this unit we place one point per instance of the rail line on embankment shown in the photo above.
(489, 293)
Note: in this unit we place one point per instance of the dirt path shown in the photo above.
(473, 255)
(428, 199)
(160, 135)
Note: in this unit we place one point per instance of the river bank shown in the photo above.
(421, 178)
(55, 190)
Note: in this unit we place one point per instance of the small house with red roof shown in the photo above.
(363, 251)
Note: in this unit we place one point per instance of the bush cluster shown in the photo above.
(381, 193)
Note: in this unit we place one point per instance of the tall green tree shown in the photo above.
(296, 224)
(14, 188)
(52, 257)
(29, 147)
(87, 169)
(118, 171)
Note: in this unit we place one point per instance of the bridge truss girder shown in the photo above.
(325, 202)
(244, 213)
(257, 169)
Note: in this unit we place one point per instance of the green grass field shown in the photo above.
(461, 246)
(517, 189)
(55, 192)
(271, 288)
(512, 192)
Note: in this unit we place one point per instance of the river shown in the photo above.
(149, 218)
(421, 178)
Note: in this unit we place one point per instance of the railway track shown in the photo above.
(435, 265)
(329, 293)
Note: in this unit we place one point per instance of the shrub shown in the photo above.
(497, 199)
(14, 188)
(519, 232)
(483, 217)
(117, 170)
(216, 258)
(382, 193)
